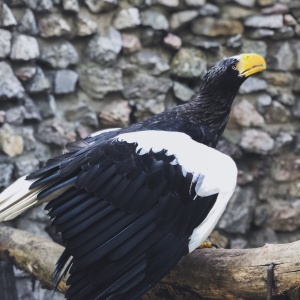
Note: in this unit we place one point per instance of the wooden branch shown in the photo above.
(32, 254)
(204, 274)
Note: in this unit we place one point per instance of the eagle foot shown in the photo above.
(208, 244)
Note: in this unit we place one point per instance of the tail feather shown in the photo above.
(17, 198)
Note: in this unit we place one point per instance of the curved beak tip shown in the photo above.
(250, 63)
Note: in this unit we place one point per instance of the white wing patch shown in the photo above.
(219, 170)
(213, 171)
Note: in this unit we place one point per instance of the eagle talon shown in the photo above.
(208, 244)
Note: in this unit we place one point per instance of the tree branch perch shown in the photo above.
(204, 274)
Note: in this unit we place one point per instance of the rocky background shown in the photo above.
(71, 67)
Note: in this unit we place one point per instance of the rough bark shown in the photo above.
(31, 253)
(204, 274)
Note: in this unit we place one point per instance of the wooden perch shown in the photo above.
(204, 274)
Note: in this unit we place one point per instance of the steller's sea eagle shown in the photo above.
(131, 202)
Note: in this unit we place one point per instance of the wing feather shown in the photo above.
(132, 204)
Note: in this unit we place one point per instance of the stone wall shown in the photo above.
(70, 67)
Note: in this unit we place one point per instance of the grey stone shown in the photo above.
(244, 178)
(96, 6)
(189, 63)
(10, 86)
(212, 27)
(28, 138)
(282, 140)
(65, 81)
(180, 19)
(39, 83)
(195, 3)
(150, 37)
(127, 18)
(295, 10)
(98, 82)
(173, 41)
(85, 26)
(296, 109)
(286, 99)
(154, 19)
(71, 5)
(263, 101)
(141, 3)
(24, 47)
(260, 214)
(53, 26)
(289, 20)
(229, 149)
(266, 2)
(30, 110)
(82, 114)
(278, 8)
(146, 109)
(7, 19)
(168, 3)
(235, 41)
(11, 143)
(182, 92)
(257, 21)
(151, 61)
(143, 86)
(297, 144)
(46, 105)
(284, 56)
(278, 79)
(286, 216)
(203, 44)
(5, 42)
(246, 115)
(115, 114)
(256, 141)
(208, 10)
(59, 54)
(261, 236)
(25, 73)
(253, 84)
(235, 12)
(28, 23)
(105, 49)
(261, 33)
(239, 211)
(2, 117)
(247, 3)
(277, 113)
(55, 133)
(15, 115)
(39, 5)
(6, 171)
(238, 243)
(296, 85)
(25, 166)
(130, 43)
(284, 32)
(258, 47)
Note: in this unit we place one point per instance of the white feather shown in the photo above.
(213, 171)
(16, 198)
(218, 169)
(103, 131)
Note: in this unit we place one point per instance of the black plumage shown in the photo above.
(128, 212)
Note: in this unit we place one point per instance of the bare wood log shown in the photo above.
(204, 274)
(31, 253)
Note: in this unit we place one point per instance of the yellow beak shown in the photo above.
(250, 63)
